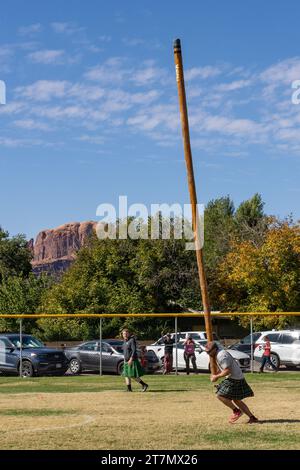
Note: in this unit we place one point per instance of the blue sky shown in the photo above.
(92, 110)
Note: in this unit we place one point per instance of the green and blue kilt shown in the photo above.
(234, 389)
(134, 370)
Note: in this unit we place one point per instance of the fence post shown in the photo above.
(21, 346)
(251, 333)
(176, 350)
(100, 357)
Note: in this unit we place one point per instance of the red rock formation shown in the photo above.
(55, 249)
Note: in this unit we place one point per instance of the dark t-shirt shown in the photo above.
(169, 345)
(130, 349)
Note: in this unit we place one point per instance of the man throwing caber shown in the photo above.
(234, 388)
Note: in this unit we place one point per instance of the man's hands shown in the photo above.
(130, 361)
(223, 373)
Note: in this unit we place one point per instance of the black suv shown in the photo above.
(36, 358)
(244, 345)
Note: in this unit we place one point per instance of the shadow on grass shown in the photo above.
(168, 391)
(279, 421)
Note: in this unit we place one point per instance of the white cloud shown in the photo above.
(43, 90)
(15, 143)
(253, 130)
(92, 139)
(122, 94)
(66, 28)
(47, 56)
(162, 116)
(6, 51)
(31, 29)
(6, 54)
(30, 124)
(111, 71)
(60, 112)
(105, 38)
(85, 93)
(132, 42)
(11, 108)
(284, 72)
(148, 75)
(232, 86)
(205, 72)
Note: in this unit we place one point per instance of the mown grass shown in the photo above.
(92, 412)
(159, 383)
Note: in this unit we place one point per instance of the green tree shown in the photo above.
(15, 256)
(20, 295)
(263, 277)
(125, 276)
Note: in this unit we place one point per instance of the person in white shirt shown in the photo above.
(234, 388)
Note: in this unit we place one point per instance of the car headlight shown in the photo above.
(33, 354)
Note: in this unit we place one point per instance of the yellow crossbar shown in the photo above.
(147, 315)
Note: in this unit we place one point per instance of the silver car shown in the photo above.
(86, 356)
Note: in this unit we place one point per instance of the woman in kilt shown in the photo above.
(234, 388)
(132, 367)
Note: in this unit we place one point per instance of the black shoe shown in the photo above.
(145, 386)
(129, 389)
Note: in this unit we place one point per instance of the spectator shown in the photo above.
(143, 358)
(189, 354)
(266, 359)
(168, 358)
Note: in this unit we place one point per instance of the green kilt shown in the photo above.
(234, 389)
(134, 370)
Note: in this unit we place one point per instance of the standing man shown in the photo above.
(234, 388)
(266, 359)
(132, 367)
(168, 358)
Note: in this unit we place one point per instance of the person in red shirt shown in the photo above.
(266, 359)
(143, 358)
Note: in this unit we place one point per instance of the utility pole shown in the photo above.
(193, 194)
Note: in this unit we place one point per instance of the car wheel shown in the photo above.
(275, 361)
(75, 366)
(27, 369)
(120, 368)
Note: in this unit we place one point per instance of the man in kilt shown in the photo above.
(234, 388)
(132, 367)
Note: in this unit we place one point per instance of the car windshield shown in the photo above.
(117, 345)
(27, 342)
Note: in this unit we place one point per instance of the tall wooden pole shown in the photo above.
(192, 191)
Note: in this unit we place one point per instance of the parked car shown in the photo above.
(197, 336)
(153, 362)
(202, 358)
(244, 345)
(86, 356)
(36, 358)
(285, 347)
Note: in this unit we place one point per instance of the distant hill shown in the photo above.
(54, 250)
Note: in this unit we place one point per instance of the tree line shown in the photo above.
(252, 262)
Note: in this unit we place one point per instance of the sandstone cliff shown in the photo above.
(54, 250)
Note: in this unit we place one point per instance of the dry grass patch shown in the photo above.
(114, 419)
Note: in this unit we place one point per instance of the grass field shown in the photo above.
(89, 412)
